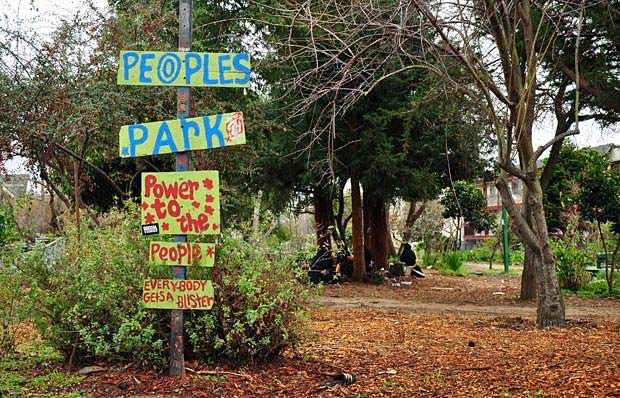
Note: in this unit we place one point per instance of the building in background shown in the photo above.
(494, 205)
(494, 202)
(14, 185)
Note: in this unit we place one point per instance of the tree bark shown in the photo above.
(366, 215)
(412, 216)
(528, 276)
(322, 217)
(533, 230)
(390, 242)
(551, 310)
(340, 222)
(378, 232)
(359, 262)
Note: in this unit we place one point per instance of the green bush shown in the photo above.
(88, 302)
(571, 264)
(259, 307)
(429, 259)
(451, 262)
(12, 304)
(598, 288)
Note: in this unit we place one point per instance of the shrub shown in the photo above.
(598, 288)
(452, 262)
(89, 300)
(571, 264)
(259, 307)
(12, 309)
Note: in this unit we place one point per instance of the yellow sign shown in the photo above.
(224, 129)
(182, 294)
(182, 203)
(166, 68)
(182, 253)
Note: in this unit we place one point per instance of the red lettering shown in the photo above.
(154, 249)
(182, 252)
(174, 208)
(158, 205)
(171, 190)
(149, 181)
(185, 190)
(196, 254)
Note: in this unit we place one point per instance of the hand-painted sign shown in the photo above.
(182, 253)
(224, 129)
(185, 202)
(181, 294)
(165, 68)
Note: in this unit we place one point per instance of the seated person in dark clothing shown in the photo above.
(321, 266)
(408, 257)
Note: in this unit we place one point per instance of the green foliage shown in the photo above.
(571, 264)
(483, 251)
(429, 259)
(598, 288)
(89, 299)
(467, 201)
(13, 307)
(259, 307)
(8, 230)
(452, 262)
(16, 380)
(562, 193)
(600, 196)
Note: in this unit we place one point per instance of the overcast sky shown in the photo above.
(44, 15)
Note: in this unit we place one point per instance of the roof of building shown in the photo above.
(15, 184)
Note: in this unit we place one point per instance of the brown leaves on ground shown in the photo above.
(415, 354)
(406, 355)
(450, 289)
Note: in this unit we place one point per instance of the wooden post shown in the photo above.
(76, 189)
(184, 109)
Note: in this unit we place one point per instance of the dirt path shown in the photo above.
(490, 295)
(526, 311)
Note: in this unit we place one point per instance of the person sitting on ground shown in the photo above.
(321, 266)
(408, 257)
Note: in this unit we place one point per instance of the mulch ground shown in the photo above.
(449, 289)
(408, 355)
(404, 354)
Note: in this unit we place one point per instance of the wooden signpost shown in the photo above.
(183, 202)
(182, 253)
(165, 68)
(184, 294)
(181, 135)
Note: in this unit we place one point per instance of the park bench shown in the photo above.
(600, 265)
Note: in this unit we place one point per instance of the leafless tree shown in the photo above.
(491, 50)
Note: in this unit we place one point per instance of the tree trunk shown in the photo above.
(551, 311)
(366, 216)
(359, 263)
(322, 217)
(390, 242)
(528, 276)
(533, 230)
(412, 216)
(378, 232)
(53, 224)
(340, 222)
